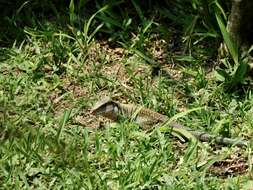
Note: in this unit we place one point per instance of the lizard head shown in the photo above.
(107, 108)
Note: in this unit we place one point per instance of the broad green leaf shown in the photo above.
(240, 73)
(221, 75)
(232, 47)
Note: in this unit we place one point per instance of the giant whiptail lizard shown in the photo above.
(147, 118)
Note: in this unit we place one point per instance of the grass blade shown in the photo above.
(232, 46)
(63, 122)
(72, 12)
(87, 26)
(179, 132)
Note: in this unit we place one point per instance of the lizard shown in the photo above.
(146, 118)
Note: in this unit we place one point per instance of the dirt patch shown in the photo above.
(234, 165)
(117, 65)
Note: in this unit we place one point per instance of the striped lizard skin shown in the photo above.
(147, 118)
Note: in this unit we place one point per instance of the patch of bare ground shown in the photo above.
(236, 164)
(118, 65)
(109, 63)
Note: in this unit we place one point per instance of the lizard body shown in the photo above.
(147, 118)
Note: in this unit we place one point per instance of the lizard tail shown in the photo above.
(202, 136)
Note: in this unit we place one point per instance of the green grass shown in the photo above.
(49, 82)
